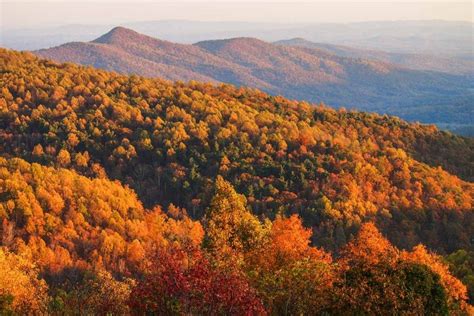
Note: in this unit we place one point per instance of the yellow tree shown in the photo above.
(230, 227)
(63, 158)
(363, 284)
(369, 247)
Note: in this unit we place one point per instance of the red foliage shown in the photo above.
(186, 282)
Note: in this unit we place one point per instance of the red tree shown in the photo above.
(185, 282)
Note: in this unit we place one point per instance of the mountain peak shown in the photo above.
(232, 43)
(118, 33)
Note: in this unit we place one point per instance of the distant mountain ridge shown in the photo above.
(313, 74)
(409, 60)
(443, 38)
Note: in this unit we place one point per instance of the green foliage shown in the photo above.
(6, 301)
(424, 288)
(400, 289)
(461, 264)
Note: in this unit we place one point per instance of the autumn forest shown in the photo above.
(126, 195)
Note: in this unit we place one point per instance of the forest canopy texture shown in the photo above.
(121, 194)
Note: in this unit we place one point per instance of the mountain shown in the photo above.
(132, 195)
(446, 38)
(409, 60)
(295, 72)
(127, 51)
(442, 38)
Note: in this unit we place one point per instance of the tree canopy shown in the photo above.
(124, 194)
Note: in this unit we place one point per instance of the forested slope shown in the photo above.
(169, 141)
(71, 245)
(103, 178)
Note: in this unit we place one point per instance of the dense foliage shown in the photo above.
(64, 219)
(168, 142)
(88, 157)
(461, 264)
(55, 263)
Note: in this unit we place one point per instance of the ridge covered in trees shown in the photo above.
(121, 194)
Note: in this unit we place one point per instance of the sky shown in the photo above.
(39, 13)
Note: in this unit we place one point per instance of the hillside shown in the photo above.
(72, 244)
(79, 219)
(167, 141)
(88, 156)
(294, 72)
(126, 51)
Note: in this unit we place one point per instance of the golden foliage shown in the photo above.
(21, 289)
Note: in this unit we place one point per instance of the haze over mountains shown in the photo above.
(296, 69)
(409, 60)
(447, 38)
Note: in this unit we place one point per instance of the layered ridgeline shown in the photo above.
(73, 239)
(456, 114)
(304, 73)
(168, 142)
(409, 60)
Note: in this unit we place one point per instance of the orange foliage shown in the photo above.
(166, 143)
(20, 285)
(288, 242)
(456, 290)
(369, 247)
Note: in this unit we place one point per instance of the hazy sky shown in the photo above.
(25, 14)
